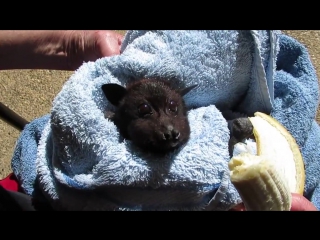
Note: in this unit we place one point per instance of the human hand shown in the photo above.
(299, 203)
(90, 45)
(55, 49)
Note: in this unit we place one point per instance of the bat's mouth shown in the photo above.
(174, 144)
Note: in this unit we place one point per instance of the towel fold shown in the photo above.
(82, 163)
(296, 93)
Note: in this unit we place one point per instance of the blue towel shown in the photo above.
(296, 98)
(78, 161)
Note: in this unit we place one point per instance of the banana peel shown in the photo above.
(266, 180)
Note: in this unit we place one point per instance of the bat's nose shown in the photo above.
(171, 133)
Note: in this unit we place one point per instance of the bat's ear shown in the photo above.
(187, 89)
(114, 93)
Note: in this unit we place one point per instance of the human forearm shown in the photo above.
(28, 49)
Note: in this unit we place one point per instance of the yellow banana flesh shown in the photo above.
(259, 183)
(265, 181)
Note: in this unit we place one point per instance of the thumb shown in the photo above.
(300, 203)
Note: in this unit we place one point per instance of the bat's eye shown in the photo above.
(144, 109)
(173, 107)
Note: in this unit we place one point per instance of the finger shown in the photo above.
(112, 47)
(300, 203)
(114, 35)
(119, 37)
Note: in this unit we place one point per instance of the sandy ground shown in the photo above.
(30, 93)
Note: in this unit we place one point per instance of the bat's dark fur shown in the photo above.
(151, 113)
(240, 129)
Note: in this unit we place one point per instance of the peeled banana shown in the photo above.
(266, 180)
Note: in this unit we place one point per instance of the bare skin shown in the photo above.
(55, 49)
